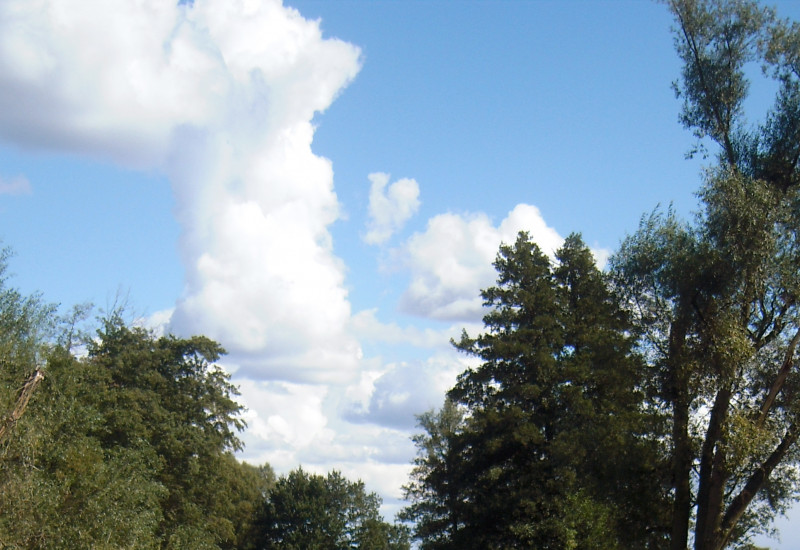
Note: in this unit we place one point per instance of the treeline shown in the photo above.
(653, 405)
(128, 444)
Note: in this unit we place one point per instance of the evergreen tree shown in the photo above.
(555, 450)
(433, 491)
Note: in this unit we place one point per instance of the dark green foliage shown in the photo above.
(164, 394)
(433, 493)
(305, 511)
(553, 449)
(569, 438)
(130, 446)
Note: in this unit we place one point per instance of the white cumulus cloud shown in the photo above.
(220, 96)
(367, 327)
(405, 390)
(390, 206)
(451, 261)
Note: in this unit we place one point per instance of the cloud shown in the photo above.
(390, 206)
(367, 327)
(18, 185)
(301, 424)
(405, 390)
(451, 261)
(284, 416)
(114, 80)
(219, 95)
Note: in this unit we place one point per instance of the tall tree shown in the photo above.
(717, 299)
(555, 450)
(58, 488)
(128, 447)
(167, 397)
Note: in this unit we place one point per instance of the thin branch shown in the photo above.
(24, 397)
(779, 381)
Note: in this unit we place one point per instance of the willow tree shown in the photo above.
(717, 299)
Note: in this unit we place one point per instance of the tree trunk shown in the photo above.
(682, 452)
(713, 474)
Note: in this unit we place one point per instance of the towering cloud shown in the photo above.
(220, 95)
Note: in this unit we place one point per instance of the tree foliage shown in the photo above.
(692, 353)
(328, 512)
(716, 300)
(165, 396)
(130, 443)
(545, 444)
(434, 492)
(126, 447)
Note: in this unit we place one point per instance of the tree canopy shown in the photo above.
(305, 510)
(129, 444)
(651, 405)
(716, 300)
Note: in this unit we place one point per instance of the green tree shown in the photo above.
(554, 450)
(716, 300)
(58, 487)
(165, 397)
(26, 325)
(327, 513)
(61, 488)
(128, 447)
(433, 493)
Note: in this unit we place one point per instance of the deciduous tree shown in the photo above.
(328, 512)
(717, 299)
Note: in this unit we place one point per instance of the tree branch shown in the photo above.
(22, 401)
(757, 479)
(780, 379)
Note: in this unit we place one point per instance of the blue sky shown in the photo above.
(322, 185)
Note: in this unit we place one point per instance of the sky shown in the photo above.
(322, 186)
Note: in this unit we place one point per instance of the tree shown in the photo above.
(26, 323)
(305, 510)
(128, 447)
(433, 490)
(165, 398)
(58, 489)
(716, 300)
(554, 450)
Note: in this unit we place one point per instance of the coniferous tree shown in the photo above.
(433, 491)
(555, 449)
